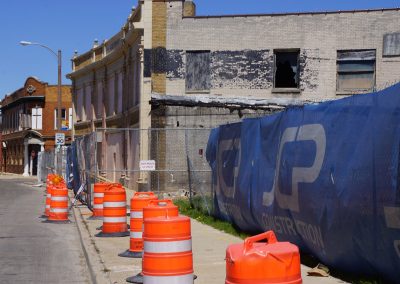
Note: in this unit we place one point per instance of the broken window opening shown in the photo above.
(286, 69)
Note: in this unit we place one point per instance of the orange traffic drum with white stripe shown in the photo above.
(59, 204)
(98, 196)
(264, 262)
(138, 202)
(167, 254)
(114, 212)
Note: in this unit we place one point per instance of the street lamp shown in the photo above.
(58, 55)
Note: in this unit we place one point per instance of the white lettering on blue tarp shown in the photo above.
(310, 132)
(310, 233)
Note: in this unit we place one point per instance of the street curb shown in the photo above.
(97, 276)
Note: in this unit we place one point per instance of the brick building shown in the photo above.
(168, 68)
(29, 124)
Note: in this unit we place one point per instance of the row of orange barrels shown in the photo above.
(56, 208)
(163, 239)
(157, 233)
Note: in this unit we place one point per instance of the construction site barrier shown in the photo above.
(318, 176)
(167, 254)
(114, 212)
(263, 262)
(138, 202)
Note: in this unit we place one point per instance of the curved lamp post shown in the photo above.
(58, 55)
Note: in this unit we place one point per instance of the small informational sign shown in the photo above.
(147, 165)
(60, 138)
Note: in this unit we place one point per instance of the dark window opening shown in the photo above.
(198, 74)
(355, 70)
(286, 69)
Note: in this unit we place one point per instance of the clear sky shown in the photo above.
(73, 25)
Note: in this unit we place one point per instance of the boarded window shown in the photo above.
(391, 44)
(198, 71)
(286, 69)
(355, 70)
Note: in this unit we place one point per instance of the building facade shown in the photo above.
(169, 68)
(29, 124)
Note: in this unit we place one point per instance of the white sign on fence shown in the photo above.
(147, 165)
(60, 138)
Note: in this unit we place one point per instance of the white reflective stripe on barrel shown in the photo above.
(167, 247)
(179, 279)
(136, 214)
(114, 204)
(114, 219)
(48, 195)
(97, 194)
(136, 235)
(98, 206)
(59, 198)
(58, 210)
(47, 206)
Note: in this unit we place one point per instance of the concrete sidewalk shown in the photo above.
(209, 247)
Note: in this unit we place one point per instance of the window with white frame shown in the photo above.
(37, 114)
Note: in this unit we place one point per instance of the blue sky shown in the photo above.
(74, 24)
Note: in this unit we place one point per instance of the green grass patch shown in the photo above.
(201, 215)
(198, 211)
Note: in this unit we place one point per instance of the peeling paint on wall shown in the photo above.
(309, 69)
(247, 69)
(175, 68)
(229, 69)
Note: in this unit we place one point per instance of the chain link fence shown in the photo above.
(169, 162)
(53, 161)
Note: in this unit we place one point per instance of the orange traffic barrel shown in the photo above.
(138, 202)
(98, 196)
(263, 262)
(58, 205)
(167, 254)
(114, 212)
(155, 208)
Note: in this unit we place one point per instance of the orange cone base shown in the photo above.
(114, 228)
(112, 235)
(57, 221)
(97, 213)
(95, 217)
(57, 217)
(135, 279)
(298, 281)
(131, 254)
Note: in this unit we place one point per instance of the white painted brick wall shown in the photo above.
(321, 35)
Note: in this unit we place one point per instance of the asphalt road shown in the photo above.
(32, 251)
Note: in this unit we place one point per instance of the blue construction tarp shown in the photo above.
(324, 176)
